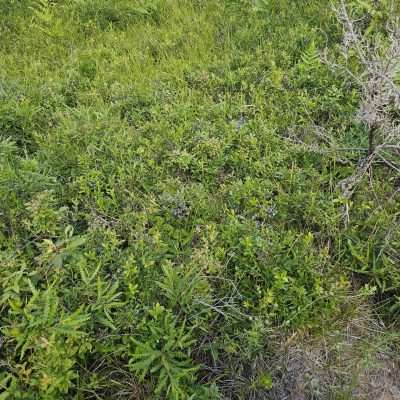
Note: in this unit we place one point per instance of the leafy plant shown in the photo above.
(47, 338)
(171, 208)
(165, 354)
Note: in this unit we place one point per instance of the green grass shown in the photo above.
(159, 224)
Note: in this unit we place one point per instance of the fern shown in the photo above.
(42, 12)
(310, 58)
(185, 289)
(165, 355)
(45, 19)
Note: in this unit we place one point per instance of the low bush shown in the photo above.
(171, 208)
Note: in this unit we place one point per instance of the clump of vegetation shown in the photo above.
(198, 198)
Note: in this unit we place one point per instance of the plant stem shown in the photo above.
(371, 141)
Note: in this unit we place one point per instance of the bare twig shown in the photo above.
(380, 62)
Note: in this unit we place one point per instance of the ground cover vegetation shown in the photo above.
(199, 199)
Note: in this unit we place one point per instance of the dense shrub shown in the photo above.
(169, 208)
